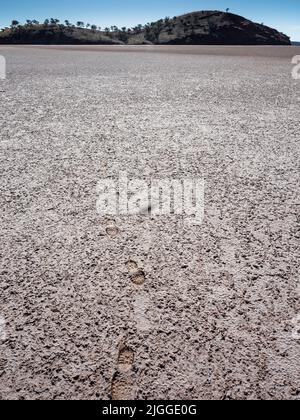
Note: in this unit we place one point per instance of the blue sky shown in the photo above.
(283, 15)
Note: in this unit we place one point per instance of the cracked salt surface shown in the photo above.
(210, 318)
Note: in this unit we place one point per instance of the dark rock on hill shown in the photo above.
(198, 28)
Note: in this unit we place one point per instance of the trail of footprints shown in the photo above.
(123, 383)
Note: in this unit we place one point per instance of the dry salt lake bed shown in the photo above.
(97, 306)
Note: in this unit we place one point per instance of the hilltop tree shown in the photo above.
(157, 28)
(94, 28)
(80, 24)
(87, 25)
(139, 28)
(122, 35)
(153, 30)
(14, 24)
(46, 22)
(54, 21)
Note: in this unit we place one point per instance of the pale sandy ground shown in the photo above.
(214, 317)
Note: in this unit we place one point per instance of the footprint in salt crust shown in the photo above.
(137, 275)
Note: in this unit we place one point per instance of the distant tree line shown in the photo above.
(52, 22)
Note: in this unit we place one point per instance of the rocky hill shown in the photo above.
(214, 27)
(197, 28)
